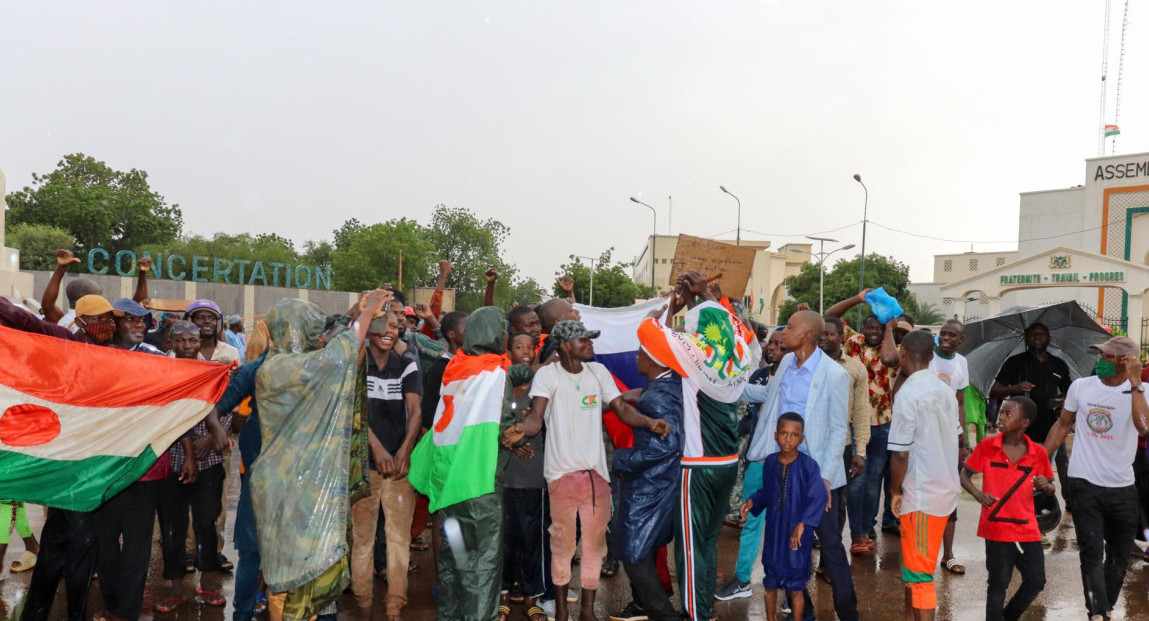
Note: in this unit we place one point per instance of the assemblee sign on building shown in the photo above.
(1088, 243)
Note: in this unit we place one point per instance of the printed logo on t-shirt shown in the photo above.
(1100, 421)
(945, 377)
(590, 402)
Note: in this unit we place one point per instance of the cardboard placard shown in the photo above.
(708, 256)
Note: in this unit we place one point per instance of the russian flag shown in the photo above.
(617, 349)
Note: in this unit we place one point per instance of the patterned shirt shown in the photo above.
(881, 376)
(214, 457)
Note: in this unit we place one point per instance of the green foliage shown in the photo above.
(472, 246)
(37, 244)
(613, 286)
(366, 256)
(98, 206)
(924, 313)
(841, 282)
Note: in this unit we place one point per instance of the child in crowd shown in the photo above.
(1012, 465)
(13, 514)
(794, 497)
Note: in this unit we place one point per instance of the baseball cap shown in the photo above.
(128, 306)
(1119, 347)
(92, 305)
(904, 325)
(565, 331)
(407, 310)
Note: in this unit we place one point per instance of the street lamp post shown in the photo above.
(670, 215)
(592, 260)
(822, 255)
(865, 219)
(738, 233)
(653, 239)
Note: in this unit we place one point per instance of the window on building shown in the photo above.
(948, 265)
(973, 265)
(1000, 261)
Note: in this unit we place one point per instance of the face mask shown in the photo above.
(100, 333)
(1105, 369)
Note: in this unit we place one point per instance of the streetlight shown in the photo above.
(653, 238)
(822, 255)
(592, 260)
(862, 272)
(670, 216)
(738, 234)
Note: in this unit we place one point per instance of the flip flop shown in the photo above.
(859, 548)
(260, 603)
(954, 567)
(169, 604)
(534, 613)
(504, 612)
(211, 598)
(26, 561)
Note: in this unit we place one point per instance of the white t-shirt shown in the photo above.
(925, 424)
(954, 371)
(574, 417)
(1105, 440)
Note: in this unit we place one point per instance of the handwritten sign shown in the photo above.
(707, 257)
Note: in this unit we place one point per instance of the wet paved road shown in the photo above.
(876, 577)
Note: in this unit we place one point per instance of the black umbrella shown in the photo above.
(990, 342)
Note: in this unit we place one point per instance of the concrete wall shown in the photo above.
(246, 300)
(1057, 218)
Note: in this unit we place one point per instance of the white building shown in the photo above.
(1088, 243)
(766, 289)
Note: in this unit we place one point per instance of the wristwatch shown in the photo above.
(1137, 388)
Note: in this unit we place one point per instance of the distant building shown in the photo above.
(1088, 243)
(764, 293)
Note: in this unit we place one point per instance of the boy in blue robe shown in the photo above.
(794, 497)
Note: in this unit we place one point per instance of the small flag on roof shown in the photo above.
(1112, 130)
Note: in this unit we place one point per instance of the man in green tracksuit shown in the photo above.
(710, 439)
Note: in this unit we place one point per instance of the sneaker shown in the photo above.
(632, 612)
(1045, 542)
(733, 590)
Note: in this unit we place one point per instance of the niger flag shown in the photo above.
(456, 461)
(79, 423)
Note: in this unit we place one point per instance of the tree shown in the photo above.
(924, 313)
(265, 247)
(37, 244)
(365, 257)
(472, 246)
(841, 282)
(613, 286)
(100, 207)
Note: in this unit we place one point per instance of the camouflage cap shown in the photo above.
(565, 331)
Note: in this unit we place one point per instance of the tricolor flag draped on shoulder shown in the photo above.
(457, 461)
(80, 423)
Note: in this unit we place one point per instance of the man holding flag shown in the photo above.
(73, 435)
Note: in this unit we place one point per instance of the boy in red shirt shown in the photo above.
(1012, 465)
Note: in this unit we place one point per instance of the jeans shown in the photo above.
(648, 591)
(865, 490)
(750, 541)
(123, 568)
(68, 550)
(1000, 559)
(1105, 519)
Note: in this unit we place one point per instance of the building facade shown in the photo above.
(1088, 243)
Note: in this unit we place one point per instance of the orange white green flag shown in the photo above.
(1112, 130)
(457, 460)
(80, 423)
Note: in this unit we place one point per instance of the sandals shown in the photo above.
(189, 564)
(862, 546)
(609, 569)
(504, 613)
(954, 567)
(211, 598)
(260, 603)
(169, 604)
(26, 561)
(224, 563)
(534, 613)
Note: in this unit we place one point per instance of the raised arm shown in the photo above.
(145, 266)
(841, 308)
(492, 275)
(889, 351)
(1140, 406)
(566, 283)
(48, 306)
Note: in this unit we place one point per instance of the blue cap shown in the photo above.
(128, 306)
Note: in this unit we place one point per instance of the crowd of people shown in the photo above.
(356, 431)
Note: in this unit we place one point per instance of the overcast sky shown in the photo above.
(293, 117)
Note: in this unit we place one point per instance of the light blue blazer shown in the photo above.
(827, 417)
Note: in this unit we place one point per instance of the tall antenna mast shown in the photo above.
(1104, 74)
(1120, 73)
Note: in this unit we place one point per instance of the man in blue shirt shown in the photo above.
(818, 388)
